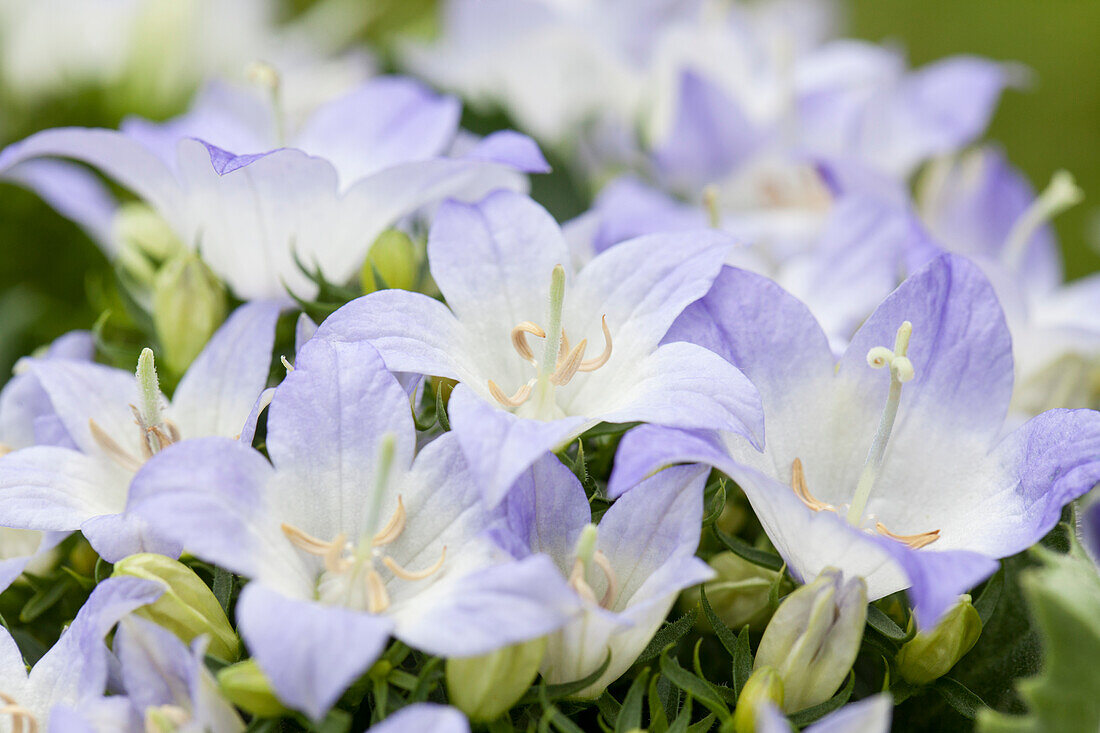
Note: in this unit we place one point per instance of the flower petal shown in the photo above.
(50, 488)
(424, 716)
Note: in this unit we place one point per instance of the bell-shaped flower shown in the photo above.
(68, 682)
(346, 536)
(544, 352)
(27, 418)
(981, 207)
(627, 571)
(114, 422)
(892, 462)
(168, 683)
(424, 716)
(232, 181)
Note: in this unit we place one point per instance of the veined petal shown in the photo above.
(545, 512)
(50, 488)
(220, 388)
(310, 652)
(424, 716)
(325, 429)
(500, 446)
(512, 149)
(115, 536)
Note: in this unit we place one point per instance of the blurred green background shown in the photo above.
(52, 279)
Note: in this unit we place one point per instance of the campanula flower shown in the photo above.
(235, 181)
(114, 422)
(626, 571)
(871, 715)
(543, 352)
(347, 537)
(890, 463)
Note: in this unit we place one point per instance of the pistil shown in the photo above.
(1060, 194)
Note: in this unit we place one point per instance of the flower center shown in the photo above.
(156, 430)
(586, 555)
(22, 719)
(350, 577)
(901, 371)
(560, 362)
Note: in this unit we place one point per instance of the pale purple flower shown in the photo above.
(905, 478)
(871, 715)
(82, 483)
(68, 682)
(166, 680)
(627, 571)
(544, 352)
(346, 536)
(424, 716)
(232, 181)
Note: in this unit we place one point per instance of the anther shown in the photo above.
(113, 450)
(19, 715)
(378, 598)
(332, 552)
(286, 364)
(915, 541)
(592, 365)
(519, 339)
(515, 400)
(604, 564)
(568, 366)
(394, 527)
(418, 575)
(802, 491)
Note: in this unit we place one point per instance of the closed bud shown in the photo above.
(245, 685)
(764, 687)
(165, 719)
(739, 595)
(142, 231)
(931, 654)
(394, 258)
(189, 304)
(486, 686)
(813, 638)
(187, 608)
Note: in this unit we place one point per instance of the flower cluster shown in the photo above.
(375, 441)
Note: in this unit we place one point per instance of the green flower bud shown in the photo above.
(141, 230)
(165, 719)
(813, 638)
(931, 654)
(486, 686)
(188, 306)
(187, 608)
(245, 685)
(739, 595)
(763, 687)
(393, 255)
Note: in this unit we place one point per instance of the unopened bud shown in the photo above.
(931, 654)
(245, 685)
(140, 229)
(189, 304)
(814, 636)
(764, 687)
(165, 719)
(187, 608)
(393, 256)
(486, 686)
(739, 594)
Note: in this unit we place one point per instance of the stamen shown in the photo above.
(515, 400)
(592, 365)
(19, 715)
(5, 449)
(578, 583)
(394, 527)
(710, 203)
(113, 450)
(1060, 194)
(418, 575)
(378, 598)
(901, 370)
(286, 364)
(802, 491)
(567, 369)
(915, 541)
(604, 564)
(305, 541)
(519, 339)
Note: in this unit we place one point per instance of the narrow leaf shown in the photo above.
(959, 697)
(747, 552)
(630, 716)
(883, 624)
(727, 637)
(698, 688)
(669, 634)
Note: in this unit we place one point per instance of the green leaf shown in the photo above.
(742, 662)
(223, 587)
(441, 409)
(608, 428)
(103, 570)
(83, 581)
(552, 716)
(557, 692)
(668, 634)
(630, 716)
(883, 624)
(698, 688)
(1063, 595)
(837, 701)
(337, 721)
(986, 603)
(609, 707)
(44, 599)
(727, 637)
(714, 501)
(745, 551)
(658, 718)
(959, 697)
(680, 725)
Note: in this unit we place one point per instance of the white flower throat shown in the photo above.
(560, 361)
(585, 557)
(901, 371)
(157, 432)
(22, 719)
(350, 577)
